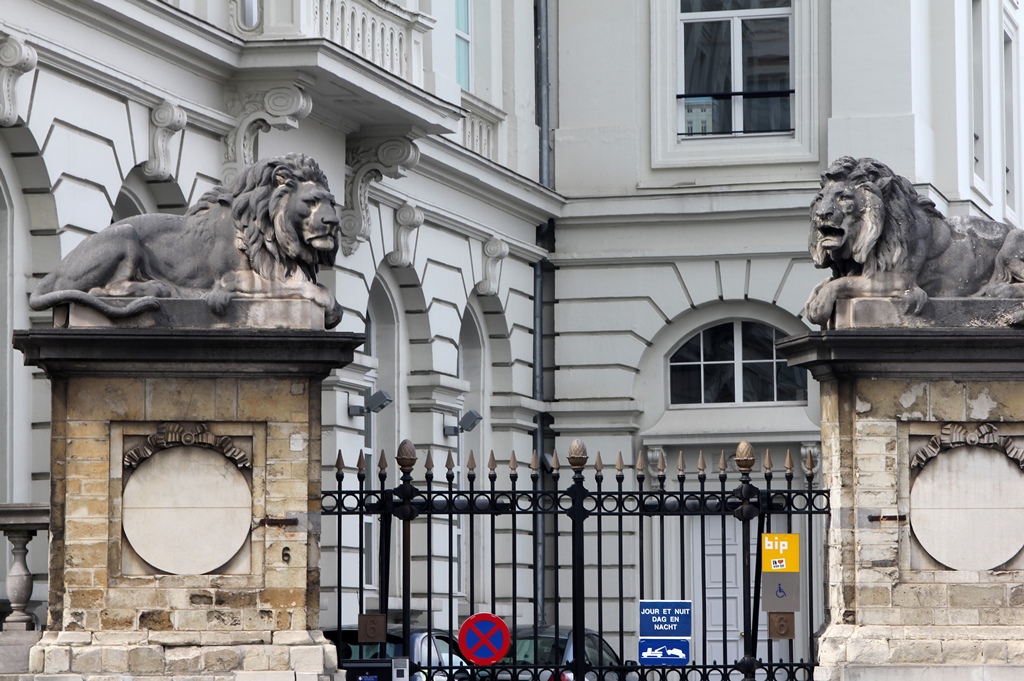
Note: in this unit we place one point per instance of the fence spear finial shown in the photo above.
(721, 463)
(767, 460)
(339, 463)
(619, 464)
(471, 462)
(491, 464)
(682, 463)
(512, 463)
(789, 463)
(701, 466)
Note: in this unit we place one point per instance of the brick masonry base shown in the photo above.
(224, 656)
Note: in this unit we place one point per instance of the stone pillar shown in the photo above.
(922, 437)
(185, 498)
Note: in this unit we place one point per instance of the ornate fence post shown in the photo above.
(578, 514)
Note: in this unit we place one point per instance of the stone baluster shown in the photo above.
(19, 523)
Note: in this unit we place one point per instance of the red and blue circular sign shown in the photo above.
(484, 638)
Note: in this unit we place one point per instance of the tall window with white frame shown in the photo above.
(463, 44)
(735, 72)
(734, 362)
(978, 88)
(1010, 94)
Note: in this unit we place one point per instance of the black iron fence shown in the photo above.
(565, 558)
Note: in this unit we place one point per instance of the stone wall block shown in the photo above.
(1001, 616)
(74, 638)
(221, 659)
(120, 638)
(183, 660)
(884, 398)
(117, 619)
(998, 400)
(874, 596)
(960, 652)
(924, 616)
(115, 658)
(920, 595)
(174, 639)
(270, 399)
(224, 619)
(255, 658)
(87, 660)
(105, 399)
(57, 659)
(915, 652)
(158, 620)
(977, 595)
(146, 660)
(307, 659)
(947, 401)
(278, 658)
(88, 449)
(171, 399)
(868, 650)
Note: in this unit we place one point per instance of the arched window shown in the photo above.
(734, 362)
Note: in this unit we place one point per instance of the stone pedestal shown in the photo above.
(922, 437)
(185, 496)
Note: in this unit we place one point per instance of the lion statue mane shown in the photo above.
(882, 239)
(264, 235)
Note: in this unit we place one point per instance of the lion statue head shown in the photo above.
(862, 217)
(285, 215)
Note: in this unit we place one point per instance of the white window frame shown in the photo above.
(468, 37)
(735, 19)
(979, 73)
(737, 361)
(671, 150)
(1011, 118)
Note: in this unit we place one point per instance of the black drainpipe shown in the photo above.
(546, 239)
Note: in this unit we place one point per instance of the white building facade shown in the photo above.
(586, 214)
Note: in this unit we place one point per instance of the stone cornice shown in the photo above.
(983, 353)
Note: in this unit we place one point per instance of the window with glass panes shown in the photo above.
(463, 72)
(734, 362)
(735, 72)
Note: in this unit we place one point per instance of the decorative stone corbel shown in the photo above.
(407, 218)
(16, 59)
(167, 119)
(371, 159)
(955, 435)
(280, 107)
(495, 250)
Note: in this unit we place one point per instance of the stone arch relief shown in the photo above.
(187, 508)
(967, 499)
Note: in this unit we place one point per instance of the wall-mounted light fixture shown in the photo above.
(466, 423)
(374, 403)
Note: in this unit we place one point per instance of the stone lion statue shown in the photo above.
(883, 239)
(264, 236)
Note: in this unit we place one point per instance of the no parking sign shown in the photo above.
(484, 638)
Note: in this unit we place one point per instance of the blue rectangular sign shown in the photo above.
(664, 652)
(671, 619)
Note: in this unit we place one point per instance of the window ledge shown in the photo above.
(728, 424)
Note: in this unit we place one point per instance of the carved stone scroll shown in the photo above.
(16, 59)
(407, 219)
(280, 107)
(170, 435)
(167, 119)
(495, 250)
(371, 159)
(955, 435)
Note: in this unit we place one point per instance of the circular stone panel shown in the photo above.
(967, 508)
(187, 510)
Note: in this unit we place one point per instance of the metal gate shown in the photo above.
(564, 558)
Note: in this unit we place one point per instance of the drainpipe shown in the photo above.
(541, 61)
(546, 238)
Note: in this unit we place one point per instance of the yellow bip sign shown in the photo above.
(780, 553)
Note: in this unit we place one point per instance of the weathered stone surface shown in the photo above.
(146, 660)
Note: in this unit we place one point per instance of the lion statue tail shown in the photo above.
(43, 301)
